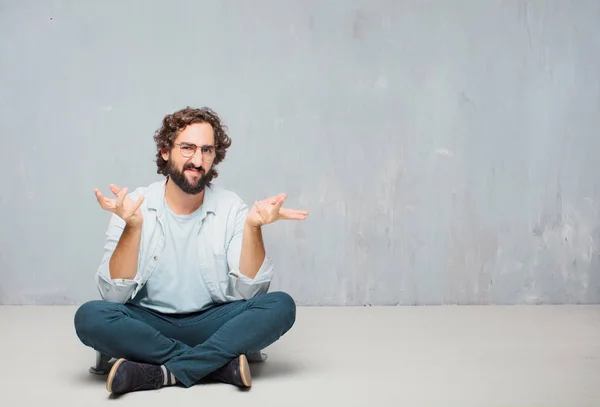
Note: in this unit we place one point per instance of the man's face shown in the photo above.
(191, 173)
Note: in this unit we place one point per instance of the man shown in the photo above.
(184, 276)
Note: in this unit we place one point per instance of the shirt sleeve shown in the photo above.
(245, 286)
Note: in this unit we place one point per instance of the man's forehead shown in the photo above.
(198, 133)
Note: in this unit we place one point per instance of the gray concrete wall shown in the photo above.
(447, 150)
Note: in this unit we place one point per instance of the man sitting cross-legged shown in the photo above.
(184, 276)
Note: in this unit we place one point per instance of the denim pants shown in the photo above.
(191, 346)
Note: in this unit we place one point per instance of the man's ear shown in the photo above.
(165, 154)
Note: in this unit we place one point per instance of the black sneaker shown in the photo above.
(236, 372)
(126, 376)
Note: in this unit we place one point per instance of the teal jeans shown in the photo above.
(191, 346)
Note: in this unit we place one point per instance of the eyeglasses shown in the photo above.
(188, 150)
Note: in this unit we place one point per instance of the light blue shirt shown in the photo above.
(177, 285)
(213, 252)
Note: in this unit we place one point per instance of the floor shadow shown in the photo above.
(86, 377)
(272, 368)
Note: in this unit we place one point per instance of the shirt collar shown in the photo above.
(155, 197)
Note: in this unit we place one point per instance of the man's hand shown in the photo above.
(122, 206)
(271, 210)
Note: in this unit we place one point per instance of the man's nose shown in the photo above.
(197, 158)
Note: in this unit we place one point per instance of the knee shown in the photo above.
(89, 317)
(285, 306)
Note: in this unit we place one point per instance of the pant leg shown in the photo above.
(123, 331)
(222, 333)
(236, 328)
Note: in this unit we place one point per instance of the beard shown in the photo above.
(181, 181)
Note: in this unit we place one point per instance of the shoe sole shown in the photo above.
(111, 375)
(245, 371)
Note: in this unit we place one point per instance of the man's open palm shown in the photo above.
(122, 206)
(271, 210)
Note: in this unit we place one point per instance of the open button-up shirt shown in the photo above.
(219, 244)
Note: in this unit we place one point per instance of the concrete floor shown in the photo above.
(367, 356)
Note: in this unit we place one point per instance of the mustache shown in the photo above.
(192, 167)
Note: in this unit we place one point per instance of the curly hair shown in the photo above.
(173, 124)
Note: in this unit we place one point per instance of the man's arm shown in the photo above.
(250, 268)
(124, 260)
(253, 250)
(262, 213)
(117, 271)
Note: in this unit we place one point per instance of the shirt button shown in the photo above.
(155, 257)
